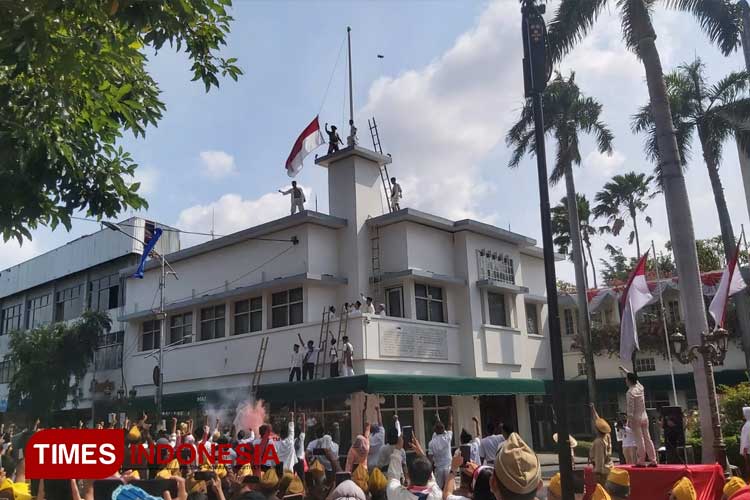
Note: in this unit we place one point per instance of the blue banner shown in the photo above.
(147, 250)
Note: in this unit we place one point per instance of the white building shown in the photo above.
(465, 330)
(652, 362)
(60, 284)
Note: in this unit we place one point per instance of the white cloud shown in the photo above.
(443, 119)
(148, 177)
(232, 213)
(602, 164)
(11, 253)
(217, 164)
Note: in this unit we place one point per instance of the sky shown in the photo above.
(445, 92)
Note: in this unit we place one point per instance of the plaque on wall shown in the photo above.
(413, 341)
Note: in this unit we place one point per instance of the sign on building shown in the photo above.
(413, 341)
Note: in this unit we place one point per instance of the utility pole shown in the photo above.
(352, 139)
(535, 76)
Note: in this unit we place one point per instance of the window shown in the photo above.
(212, 322)
(403, 406)
(248, 315)
(645, 365)
(104, 293)
(10, 319)
(7, 369)
(68, 303)
(180, 328)
(108, 354)
(498, 313)
(429, 301)
(596, 318)
(432, 405)
(581, 369)
(286, 308)
(650, 314)
(532, 319)
(495, 266)
(658, 399)
(569, 324)
(150, 335)
(673, 311)
(394, 299)
(36, 310)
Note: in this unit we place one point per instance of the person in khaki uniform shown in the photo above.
(601, 449)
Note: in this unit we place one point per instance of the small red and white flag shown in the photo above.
(731, 283)
(308, 140)
(635, 297)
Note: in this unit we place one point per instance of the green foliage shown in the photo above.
(50, 361)
(72, 79)
(731, 402)
(583, 449)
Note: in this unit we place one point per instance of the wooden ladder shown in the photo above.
(259, 365)
(325, 324)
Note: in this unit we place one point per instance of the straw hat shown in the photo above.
(517, 466)
(684, 490)
(169, 470)
(618, 482)
(296, 487)
(245, 470)
(602, 426)
(134, 434)
(378, 481)
(733, 486)
(269, 480)
(600, 494)
(555, 486)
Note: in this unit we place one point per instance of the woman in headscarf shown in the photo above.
(358, 451)
(347, 490)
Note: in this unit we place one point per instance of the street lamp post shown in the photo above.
(536, 73)
(713, 350)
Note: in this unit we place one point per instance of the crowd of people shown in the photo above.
(496, 466)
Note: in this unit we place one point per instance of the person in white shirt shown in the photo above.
(380, 310)
(285, 445)
(298, 197)
(265, 438)
(348, 357)
(295, 366)
(421, 482)
(638, 420)
(333, 356)
(324, 442)
(473, 441)
(377, 440)
(490, 444)
(369, 307)
(745, 439)
(396, 195)
(391, 438)
(439, 449)
(299, 448)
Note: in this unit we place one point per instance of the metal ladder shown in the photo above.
(259, 365)
(325, 323)
(384, 177)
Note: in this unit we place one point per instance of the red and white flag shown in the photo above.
(635, 297)
(731, 283)
(308, 140)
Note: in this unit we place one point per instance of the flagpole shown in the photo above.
(743, 237)
(351, 139)
(664, 323)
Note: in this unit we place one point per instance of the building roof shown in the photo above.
(274, 226)
(434, 221)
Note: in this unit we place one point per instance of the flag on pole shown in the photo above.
(308, 140)
(635, 297)
(731, 283)
(147, 250)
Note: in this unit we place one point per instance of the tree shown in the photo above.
(73, 79)
(618, 269)
(566, 113)
(50, 362)
(714, 113)
(561, 230)
(720, 20)
(624, 196)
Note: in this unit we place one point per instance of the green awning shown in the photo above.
(398, 384)
(683, 381)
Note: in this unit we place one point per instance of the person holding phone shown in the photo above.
(421, 484)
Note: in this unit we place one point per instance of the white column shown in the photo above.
(524, 418)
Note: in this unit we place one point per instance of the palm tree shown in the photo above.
(714, 114)
(567, 112)
(720, 20)
(561, 230)
(624, 196)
